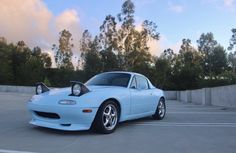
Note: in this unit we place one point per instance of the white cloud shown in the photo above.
(67, 19)
(154, 47)
(141, 3)
(175, 7)
(33, 22)
(157, 47)
(229, 3)
(226, 5)
(27, 21)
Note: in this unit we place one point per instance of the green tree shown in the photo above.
(219, 60)
(6, 75)
(108, 42)
(44, 57)
(126, 32)
(93, 64)
(127, 16)
(20, 55)
(186, 46)
(206, 45)
(31, 71)
(109, 60)
(232, 60)
(108, 34)
(85, 47)
(150, 29)
(232, 42)
(64, 51)
(132, 43)
(232, 48)
(169, 55)
(140, 57)
(163, 69)
(187, 68)
(21, 65)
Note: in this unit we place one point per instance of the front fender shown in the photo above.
(96, 98)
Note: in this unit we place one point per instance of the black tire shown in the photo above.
(102, 116)
(160, 110)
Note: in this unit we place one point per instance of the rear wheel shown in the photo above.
(107, 118)
(160, 110)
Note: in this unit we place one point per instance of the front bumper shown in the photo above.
(71, 117)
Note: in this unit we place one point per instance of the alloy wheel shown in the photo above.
(110, 117)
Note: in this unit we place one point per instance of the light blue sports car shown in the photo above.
(101, 103)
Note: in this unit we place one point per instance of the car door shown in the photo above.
(141, 95)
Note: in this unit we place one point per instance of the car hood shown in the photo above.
(99, 92)
(67, 91)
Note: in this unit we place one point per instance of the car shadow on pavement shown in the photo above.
(61, 132)
(136, 121)
(121, 125)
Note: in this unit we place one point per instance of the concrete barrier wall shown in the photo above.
(184, 96)
(224, 96)
(219, 96)
(18, 89)
(196, 96)
(170, 95)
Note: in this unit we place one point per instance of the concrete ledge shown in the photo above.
(170, 95)
(196, 96)
(206, 97)
(224, 96)
(184, 96)
(218, 96)
(17, 89)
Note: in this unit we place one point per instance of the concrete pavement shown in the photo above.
(187, 128)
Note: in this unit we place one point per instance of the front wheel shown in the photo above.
(160, 110)
(107, 118)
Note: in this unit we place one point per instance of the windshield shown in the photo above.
(110, 79)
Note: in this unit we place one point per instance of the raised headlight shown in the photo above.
(39, 89)
(76, 89)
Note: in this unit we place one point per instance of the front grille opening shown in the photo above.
(66, 124)
(47, 115)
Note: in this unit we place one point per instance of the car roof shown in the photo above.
(132, 74)
(126, 72)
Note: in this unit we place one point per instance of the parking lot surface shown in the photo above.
(187, 128)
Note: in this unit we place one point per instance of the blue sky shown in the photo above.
(38, 22)
(176, 19)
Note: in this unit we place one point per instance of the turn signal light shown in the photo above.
(87, 110)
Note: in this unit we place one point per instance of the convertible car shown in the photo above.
(101, 103)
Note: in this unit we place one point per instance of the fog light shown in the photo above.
(67, 102)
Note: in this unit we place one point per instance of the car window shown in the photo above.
(110, 79)
(142, 82)
(133, 83)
